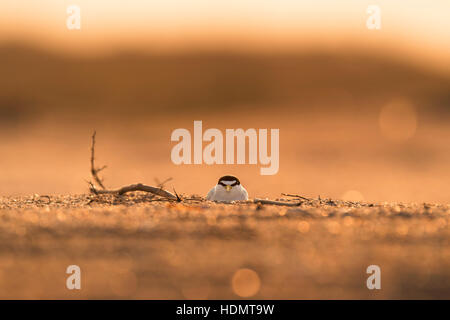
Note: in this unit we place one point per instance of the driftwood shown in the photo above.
(137, 187)
(158, 191)
(277, 203)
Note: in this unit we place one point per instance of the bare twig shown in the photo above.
(176, 194)
(199, 199)
(278, 203)
(295, 196)
(134, 187)
(137, 187)
(92, 187)
(95, 171)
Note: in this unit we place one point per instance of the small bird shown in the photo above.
(228, 189)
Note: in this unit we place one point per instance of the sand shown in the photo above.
(139, 247)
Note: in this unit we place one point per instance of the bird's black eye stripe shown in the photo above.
(233, 184)
(229, 179)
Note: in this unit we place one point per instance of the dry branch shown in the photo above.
(94, 170)
(137, 187)
(277, 203)
(295, 196)
(159, 191)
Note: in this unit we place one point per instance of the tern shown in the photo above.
(228, 189)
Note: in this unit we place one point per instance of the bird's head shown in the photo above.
(228, 182)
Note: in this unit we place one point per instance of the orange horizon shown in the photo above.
(413, 31)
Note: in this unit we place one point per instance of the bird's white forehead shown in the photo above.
(228, 182)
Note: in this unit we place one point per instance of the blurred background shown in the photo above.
(363, 114)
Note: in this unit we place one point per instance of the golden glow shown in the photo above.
(303, 227)
(245, 283)
(415, 28)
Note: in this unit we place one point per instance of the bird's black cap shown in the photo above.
(229, 178)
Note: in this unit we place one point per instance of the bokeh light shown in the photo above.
(303, 227)
(245, 283)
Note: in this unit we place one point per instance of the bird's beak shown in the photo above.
(228, 188)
